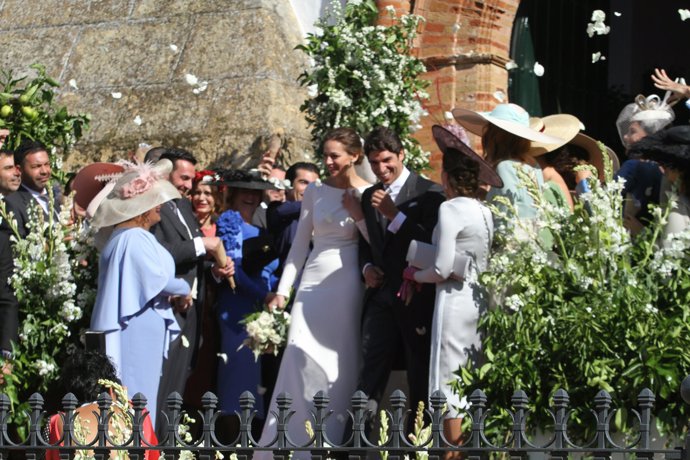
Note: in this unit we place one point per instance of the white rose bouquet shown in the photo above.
(266, 331)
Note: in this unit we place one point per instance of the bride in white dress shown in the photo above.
(322, 350)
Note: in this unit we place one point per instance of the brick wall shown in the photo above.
(465, 45)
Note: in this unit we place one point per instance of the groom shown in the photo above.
(400, 208)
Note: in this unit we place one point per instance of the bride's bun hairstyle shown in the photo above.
(350, 140)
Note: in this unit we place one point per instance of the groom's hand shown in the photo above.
(382, 201)
(373, 276)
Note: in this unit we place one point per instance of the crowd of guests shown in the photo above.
(186, 253)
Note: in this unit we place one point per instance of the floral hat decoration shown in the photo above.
(651, 112)
(206, 177)
(139, 189)
(91, 180)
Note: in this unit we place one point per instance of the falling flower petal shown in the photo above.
(684, 14)
(173, 48)
(138, 121)
(538, 69)
(617, 14)
(223, 356)
(448, 115)
(116, 95)
(500, 96)
(598, 16)
(73, 83)
(596, 56)
(456, 28)
(185, 341)
(191, 79)
(510, 65)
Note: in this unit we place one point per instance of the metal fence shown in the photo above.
(359, 445)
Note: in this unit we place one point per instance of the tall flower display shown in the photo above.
(590, 310)
(364, 75)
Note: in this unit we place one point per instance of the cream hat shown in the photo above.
(562, 126)
(138, 190)
(509, 117)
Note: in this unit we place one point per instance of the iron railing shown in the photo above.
(476, 446)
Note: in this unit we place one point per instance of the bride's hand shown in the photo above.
(274, 300)
(352, 205)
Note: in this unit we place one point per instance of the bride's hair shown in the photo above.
(350, 140)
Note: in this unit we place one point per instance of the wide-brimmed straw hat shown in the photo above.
(248, 180)
(595, 156)
(448, 140)
(91, 179)
(670, 147)
(509, 117)
(139, 189)
(562, 126)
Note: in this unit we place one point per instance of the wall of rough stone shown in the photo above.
(243, 48)
(465, 45)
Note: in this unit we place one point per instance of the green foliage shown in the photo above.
(595, 310)
(28, 110)
(363, 75)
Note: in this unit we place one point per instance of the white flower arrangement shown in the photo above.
(363, 75)
(267, 331)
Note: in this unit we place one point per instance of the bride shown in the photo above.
(322, 350)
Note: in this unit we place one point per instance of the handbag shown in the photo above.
(422, 255)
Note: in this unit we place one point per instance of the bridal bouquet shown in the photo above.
(266, 330)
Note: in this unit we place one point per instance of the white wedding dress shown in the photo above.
(322, 352)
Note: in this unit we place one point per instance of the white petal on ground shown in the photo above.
(191, 79)
(116, 95)
(500, 96)
(510, 65)
(538, 69)
(73, 83)
(684, 14)
(173, 48)
(138, 121)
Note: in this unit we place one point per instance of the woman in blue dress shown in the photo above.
(136, 280)
(255, 262)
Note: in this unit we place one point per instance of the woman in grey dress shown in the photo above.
(465, 228)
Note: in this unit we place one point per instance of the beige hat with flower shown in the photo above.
(138, 190)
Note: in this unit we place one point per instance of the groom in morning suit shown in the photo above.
(179, 232)
(400, 208)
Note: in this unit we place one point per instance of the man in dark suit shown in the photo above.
(34, 165)
(400, 208)
(179, 232)
(9, 322)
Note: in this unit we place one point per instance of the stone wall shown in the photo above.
(243, 48)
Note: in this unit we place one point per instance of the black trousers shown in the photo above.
(391, 329)
(178, 365)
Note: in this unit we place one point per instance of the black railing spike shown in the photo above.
(478, 400)
(398, 402)
(104, 401)
(520, 403)
(646, 401)
(321, 401)
(209, 402)
(174, 406)
(136, 452)
(247, 402)
(284, 401)
(36, 410)
(561, 400)
(437, 401)
(4, 414)
(602, 402)
(69, 404)
(359, 404)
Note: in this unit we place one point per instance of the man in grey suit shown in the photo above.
(179, 232)
(402, 207)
